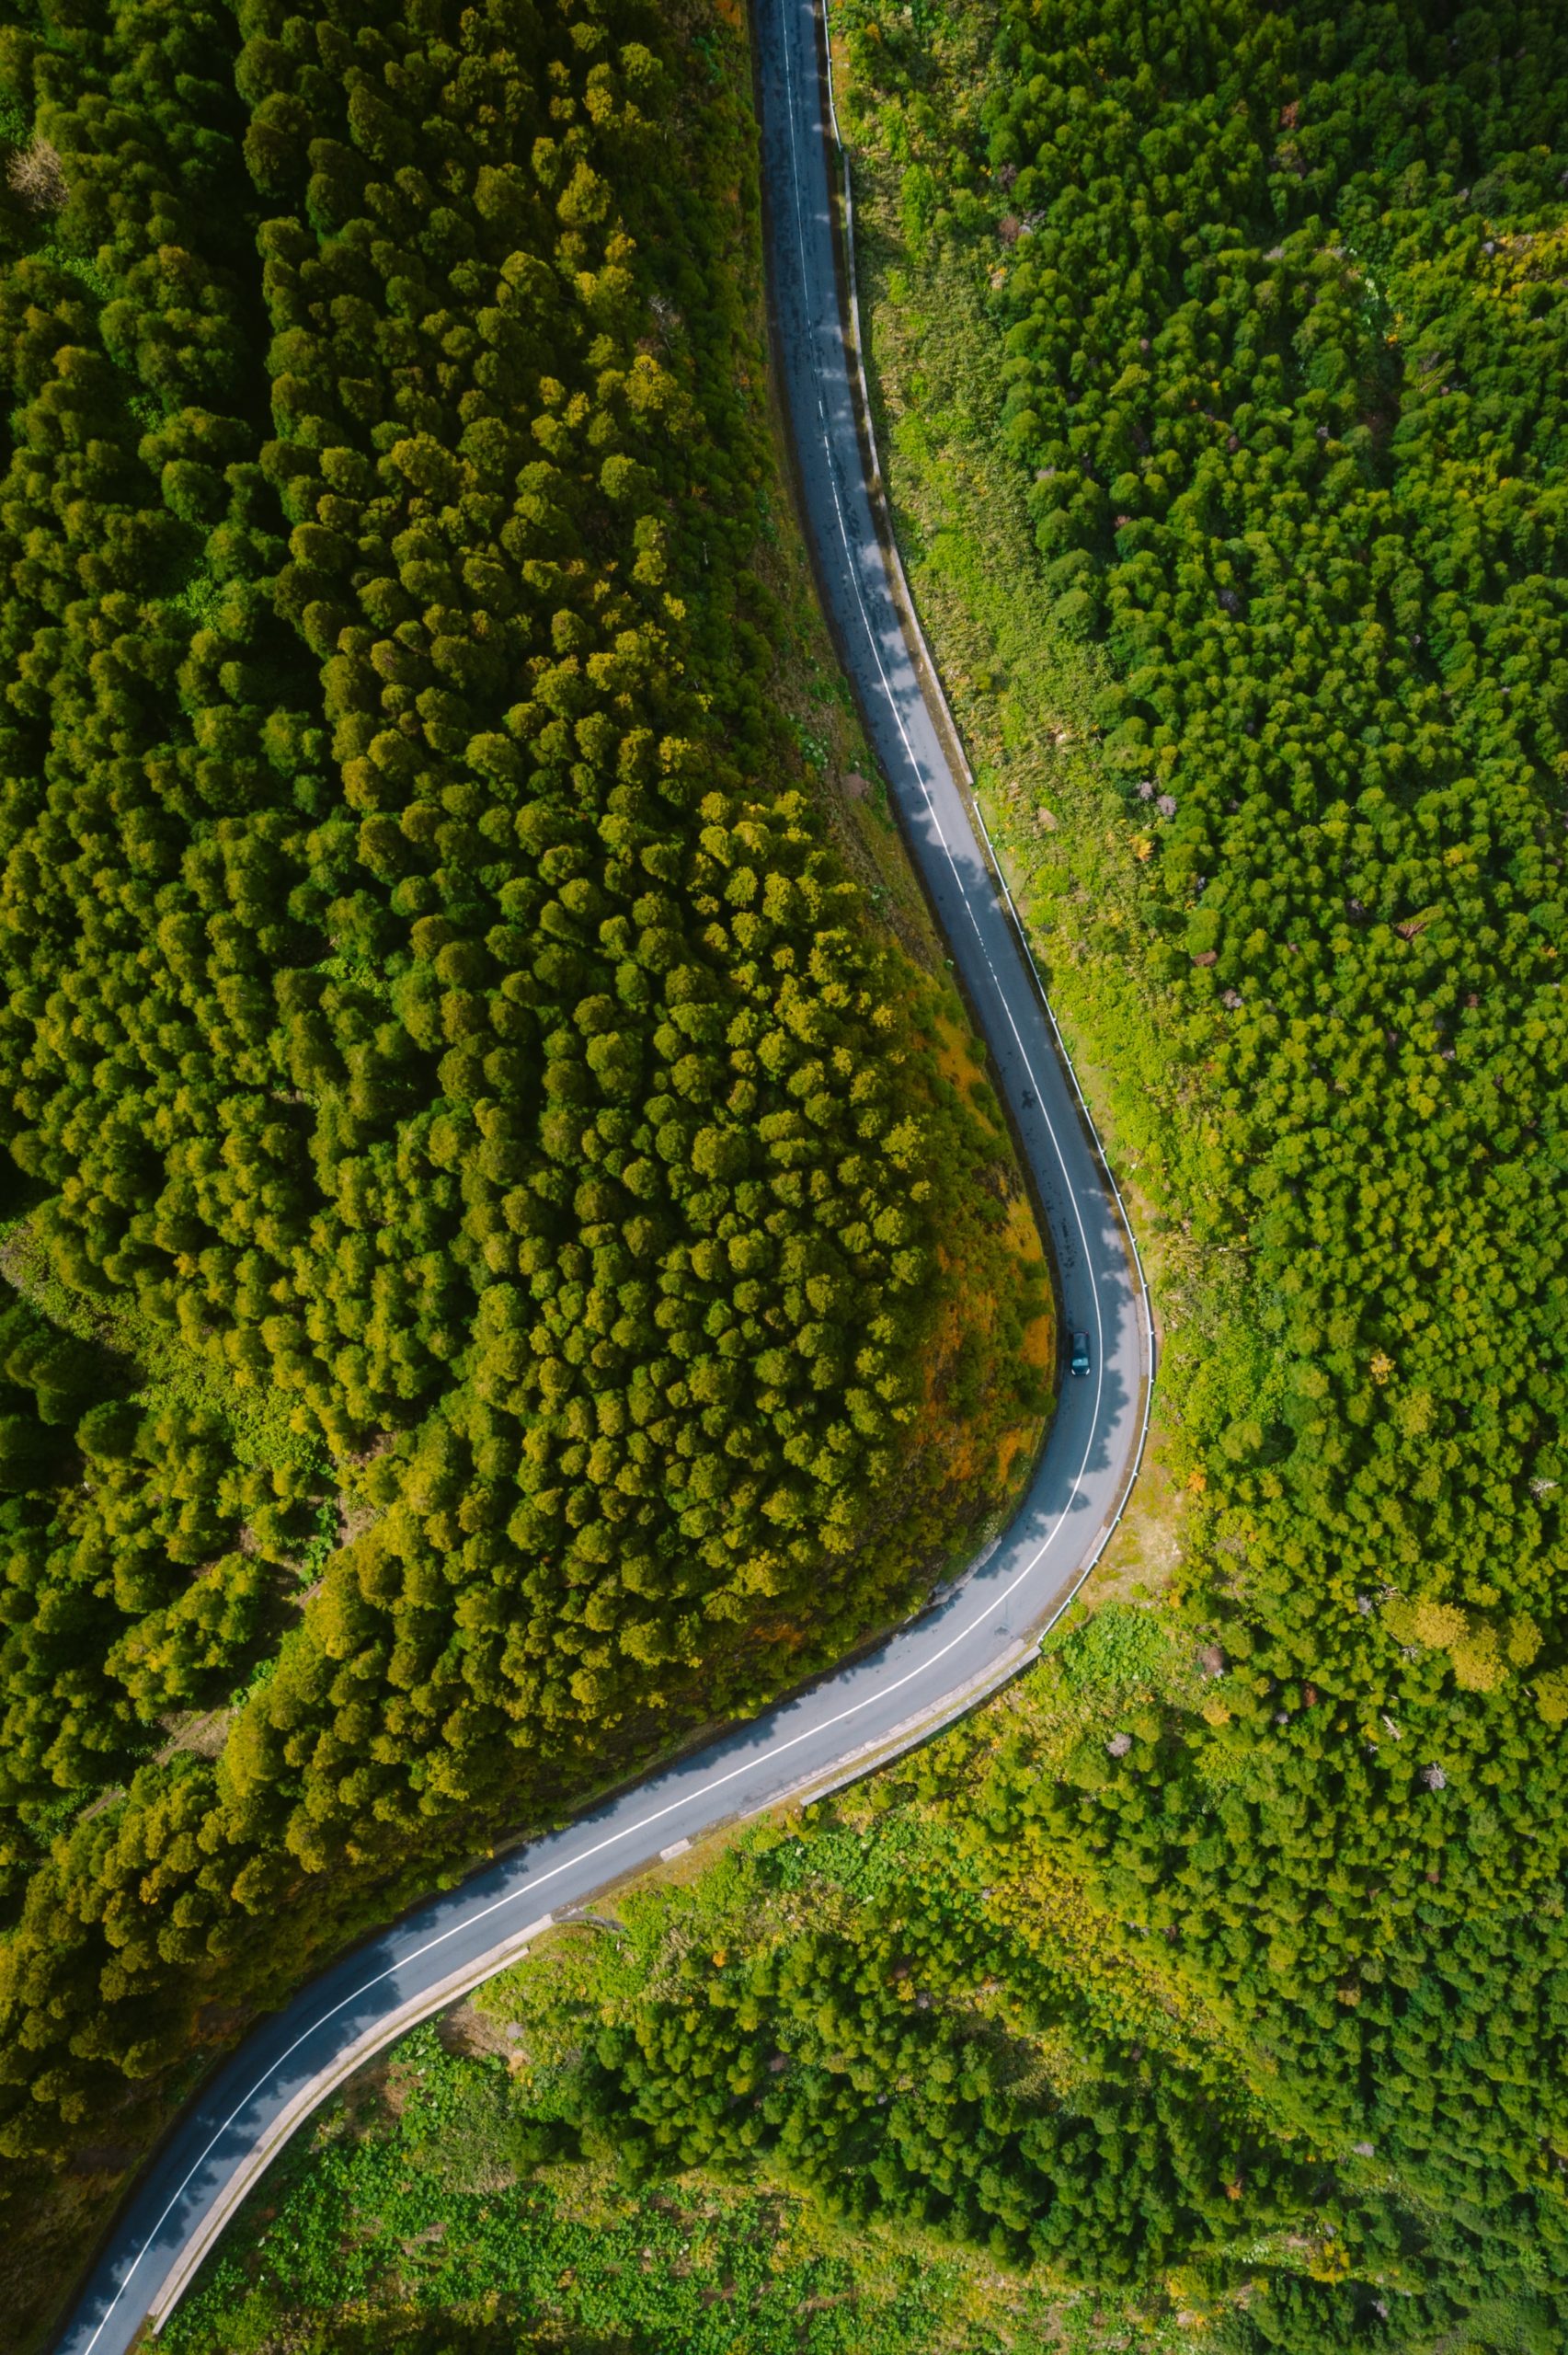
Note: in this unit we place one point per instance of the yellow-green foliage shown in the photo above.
(431, 999)
(1251, 323)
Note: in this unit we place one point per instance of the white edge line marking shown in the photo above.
(919, 771)
(934, 680)
(657, 1816)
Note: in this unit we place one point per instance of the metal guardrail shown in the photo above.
(932, 681)
(869, 1756)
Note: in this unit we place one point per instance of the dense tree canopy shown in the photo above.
(902, 2009)
(1267, 351)
(432, 999)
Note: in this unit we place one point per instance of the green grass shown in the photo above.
(1120, 1645)
(410, 2218)
(421, 2212)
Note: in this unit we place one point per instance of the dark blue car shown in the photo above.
(1079, 1361)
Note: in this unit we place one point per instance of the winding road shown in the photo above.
(940, 1662)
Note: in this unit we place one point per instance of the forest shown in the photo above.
(1220, 1972)
(510, 1255)
(904, 2019)
(1255, 318)
(1213, 1983)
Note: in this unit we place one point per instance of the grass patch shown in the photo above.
(261, 1425)
(414, 2217)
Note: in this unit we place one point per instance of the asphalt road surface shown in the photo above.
(882, 1699)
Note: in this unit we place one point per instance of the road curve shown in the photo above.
(883, 1700)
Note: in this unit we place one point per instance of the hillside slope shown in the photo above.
(1209, 1989)
(507, 1271)
(1219, 352)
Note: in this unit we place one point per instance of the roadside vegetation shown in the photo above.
(1210, 1987)
(511, 1254)
(1218, 1969)
(899, 2032)
(416, 2220)
(1218, 353)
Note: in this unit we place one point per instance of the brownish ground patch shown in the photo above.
(1007, 1448)
(1022, 1234)
(955, 1060)
(1142, 1557)
(1040, 1339)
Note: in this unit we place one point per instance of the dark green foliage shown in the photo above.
(105, 1516)
(901, 2011)
(416, 2222)
(431, 998)
(1276, 300)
